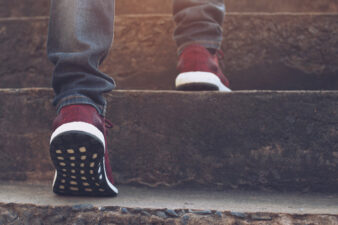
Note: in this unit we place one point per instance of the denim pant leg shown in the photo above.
(79, 37)
(198, 22)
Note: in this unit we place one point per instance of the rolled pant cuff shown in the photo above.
(79, 100)
(205, 43)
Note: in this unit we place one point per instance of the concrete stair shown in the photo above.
(256, 140)
(288, 45)
(35, 204)
(185, 158)
(254, 157)
(262, 51)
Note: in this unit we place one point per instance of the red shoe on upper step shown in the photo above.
(200, 71)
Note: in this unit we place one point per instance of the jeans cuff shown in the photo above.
(204, 43)
(80, 100)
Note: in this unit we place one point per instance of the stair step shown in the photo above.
(165, 206)
(198, 199)
(258, 140)
(18, 8)
(262, 51)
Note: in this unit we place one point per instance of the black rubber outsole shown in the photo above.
(197, 87)
(78, 159)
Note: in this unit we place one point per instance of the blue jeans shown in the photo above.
(81, 33)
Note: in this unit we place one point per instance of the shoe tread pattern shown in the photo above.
(78, 159)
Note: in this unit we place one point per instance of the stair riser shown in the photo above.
(17, 8)
(261, 52)
(280, 141)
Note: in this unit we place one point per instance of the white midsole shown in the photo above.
(79, 126)
(200, 77)
(108, 182)
(55, 176)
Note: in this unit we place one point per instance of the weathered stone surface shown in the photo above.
(82, 207)
(171, 213)
(124, 211)
(46, 215)
(24, 62)
(261, 52)
(282, 6)
(153, 6)
(247, 140)
(24, 133)
(161, 214)
(19, 8)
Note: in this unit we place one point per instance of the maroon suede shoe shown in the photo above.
(200, 71)
(78, 148)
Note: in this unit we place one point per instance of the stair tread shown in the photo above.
(137, 197)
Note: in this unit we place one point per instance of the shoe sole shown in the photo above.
(199, 81)
(78, 157)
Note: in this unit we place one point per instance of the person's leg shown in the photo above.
(79, 37)
(198, 36)
(198, 22)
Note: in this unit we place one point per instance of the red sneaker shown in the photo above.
(200, 71)
(78, 148)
